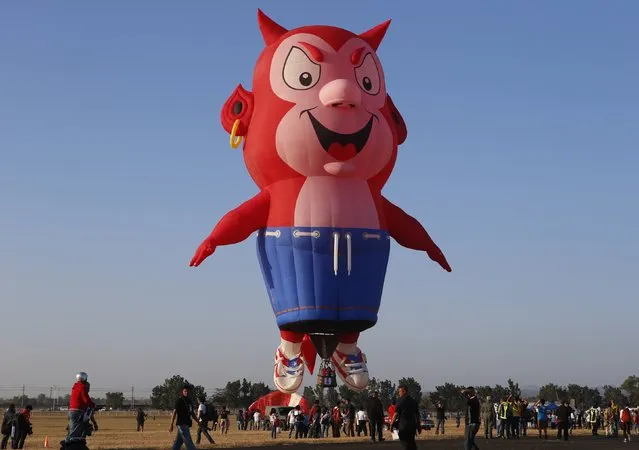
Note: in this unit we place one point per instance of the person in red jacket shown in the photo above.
(80, 409)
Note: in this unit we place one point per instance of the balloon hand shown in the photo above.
(205, 250)
(440, 259)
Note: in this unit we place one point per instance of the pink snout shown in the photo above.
(341, 94)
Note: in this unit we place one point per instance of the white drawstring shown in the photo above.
(335, 251)
(348, 253)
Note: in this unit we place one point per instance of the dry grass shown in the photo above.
(119, 432)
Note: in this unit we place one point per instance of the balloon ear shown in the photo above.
(375, 35)
(239, 106)
(398, 121)
(271, 31)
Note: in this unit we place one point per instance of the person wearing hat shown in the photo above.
(182, 415)
(80, 408)
(23, 427)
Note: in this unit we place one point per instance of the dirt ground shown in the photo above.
(118, 432)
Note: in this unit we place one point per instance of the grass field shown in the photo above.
(119, 432)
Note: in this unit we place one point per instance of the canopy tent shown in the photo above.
(277, 398)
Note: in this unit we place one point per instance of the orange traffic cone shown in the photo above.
(46, 442)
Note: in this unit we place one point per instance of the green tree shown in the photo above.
(114, 400)
(345, 393)
(576, 393)
(165, 395)
(551, 392)
(386, 391)
(631, 387)
(483, 392)
(413, 388)
(499, 392)
(331, 397)
(309, 394)
(513, 388)
(614, 393)
(592, 397)
(451, 396)
(258, 390)
(42, 400)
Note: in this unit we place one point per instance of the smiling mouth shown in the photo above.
(341, 146)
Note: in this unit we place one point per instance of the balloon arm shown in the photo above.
(408, 232)
(239, 223)
(235, 226)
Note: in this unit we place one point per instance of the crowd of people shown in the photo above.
(509, 418)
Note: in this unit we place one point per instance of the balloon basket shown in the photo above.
(326, 375)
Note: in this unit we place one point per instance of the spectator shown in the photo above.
(542, 417)
(563, 418)
(182, 414)
(80, 409)
(362, 419)
(472, 418)
(626, 422)
(203, 416)
(407, 416)
(140, 418)
(275, 423)
(375, 416)
(488, 413)
(8, 425)
(441, 417)
(23, 427)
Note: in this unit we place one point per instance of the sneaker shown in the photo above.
(288, 373)
(352, 369)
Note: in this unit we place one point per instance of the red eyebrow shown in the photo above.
(315, 52)
(357, 55)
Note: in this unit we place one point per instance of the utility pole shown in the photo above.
(132, 397)
(51, 397)
(23, 396)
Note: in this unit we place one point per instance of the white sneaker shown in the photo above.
(288, 373)
(351, 367)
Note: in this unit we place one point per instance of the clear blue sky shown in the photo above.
(521, 161)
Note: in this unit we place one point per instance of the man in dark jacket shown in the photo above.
(407, 413)
(8, 425)
(375, 412)
(563, 419)
(472, 418)
(23, 427)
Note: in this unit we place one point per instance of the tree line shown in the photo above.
(239, 394)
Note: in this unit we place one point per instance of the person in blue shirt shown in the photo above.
(542, 417)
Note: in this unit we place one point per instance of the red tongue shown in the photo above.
(342, 152)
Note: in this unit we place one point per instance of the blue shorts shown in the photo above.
(310, 289)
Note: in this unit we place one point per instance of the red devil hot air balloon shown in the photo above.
(320, 141)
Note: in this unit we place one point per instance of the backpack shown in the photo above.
(625, 415)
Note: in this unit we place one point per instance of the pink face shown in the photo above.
(336, 126)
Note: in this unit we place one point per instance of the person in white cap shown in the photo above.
(80, 408)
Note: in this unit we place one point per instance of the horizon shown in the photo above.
(520, 162)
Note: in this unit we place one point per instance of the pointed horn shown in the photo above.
(271, 31)
(375, 35)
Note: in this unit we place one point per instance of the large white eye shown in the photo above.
(299, 71)
(367, 75)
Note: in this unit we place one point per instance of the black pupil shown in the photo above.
(368, 85)
(306, 79)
